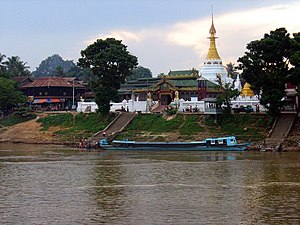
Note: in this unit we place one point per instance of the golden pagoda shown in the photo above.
(213, 63)
(212, 51)
(247, 92)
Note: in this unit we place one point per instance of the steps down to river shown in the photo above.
(281, 129)
(158, 109)
(117, 125)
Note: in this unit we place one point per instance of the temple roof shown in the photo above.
(185, 83)
(176, 73)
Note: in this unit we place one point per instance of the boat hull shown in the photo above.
(179, 148)
(209, 144)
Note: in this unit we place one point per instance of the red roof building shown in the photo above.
(59, 91)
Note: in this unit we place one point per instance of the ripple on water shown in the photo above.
(54, 186)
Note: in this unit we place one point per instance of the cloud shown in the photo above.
(185, 44)
(236, 29)
(126, 36)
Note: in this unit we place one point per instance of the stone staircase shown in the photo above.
(117, 125)
(280, 129)
(158, 109)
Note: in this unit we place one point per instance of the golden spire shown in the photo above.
(212, 51)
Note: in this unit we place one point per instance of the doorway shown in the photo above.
(165, 99)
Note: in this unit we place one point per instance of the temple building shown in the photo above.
(184, 87)
(190, 84)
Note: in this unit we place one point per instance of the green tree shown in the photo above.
(15, 67)
(2, 66)
(48, 67)
(110, 62)
(295, 61)
(59, 72)
(10, 95)
(140, 72)
(266, 66)
(80, 73)
(232, 70)
(228, 93)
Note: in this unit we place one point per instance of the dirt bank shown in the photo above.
(29, 132)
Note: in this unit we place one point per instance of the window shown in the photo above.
(46, 93)
(64, 93)
(40, 93)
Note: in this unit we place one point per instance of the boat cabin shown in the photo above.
(223, 141)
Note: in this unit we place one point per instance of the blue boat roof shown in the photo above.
(221, 138)
(192, 142)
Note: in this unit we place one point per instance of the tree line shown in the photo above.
(268, 65)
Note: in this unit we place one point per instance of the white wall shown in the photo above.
(183, 105)
(83, 105)
(131, 106)
(245, 102)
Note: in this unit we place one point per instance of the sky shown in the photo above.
(164, 34)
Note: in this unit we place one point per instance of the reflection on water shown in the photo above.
(58, 185)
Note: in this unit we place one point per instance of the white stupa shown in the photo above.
(213, 63)
(237, 83)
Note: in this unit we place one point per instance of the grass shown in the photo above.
(188, 127)
(76, 126)
(16, 117)
(191, 126)
(154, 124)
(246, 127)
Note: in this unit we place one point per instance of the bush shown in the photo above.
(18, 116)
(81, 125)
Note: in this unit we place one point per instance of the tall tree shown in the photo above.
(140, 72)
(266, 66)
(228, 93)
(59, 72)
(48, 67)
(15, 67)
(295, 60)
(10, 95)
(2, 66)
(110, 62)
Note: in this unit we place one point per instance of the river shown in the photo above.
(48, 184)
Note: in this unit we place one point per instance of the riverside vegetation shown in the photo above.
(182, 127)
(152, 127)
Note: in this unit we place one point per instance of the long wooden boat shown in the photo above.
(209, 144)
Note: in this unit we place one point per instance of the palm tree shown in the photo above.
(231, 69)
(2, 66)
(15, 67)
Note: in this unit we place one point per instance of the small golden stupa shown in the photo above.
(247, 92)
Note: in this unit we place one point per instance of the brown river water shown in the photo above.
(47, 184)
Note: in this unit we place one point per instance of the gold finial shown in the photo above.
(212, 51)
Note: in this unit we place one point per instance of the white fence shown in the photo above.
(87, 107)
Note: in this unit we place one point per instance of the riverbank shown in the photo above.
(65, 128)
(69, 128)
